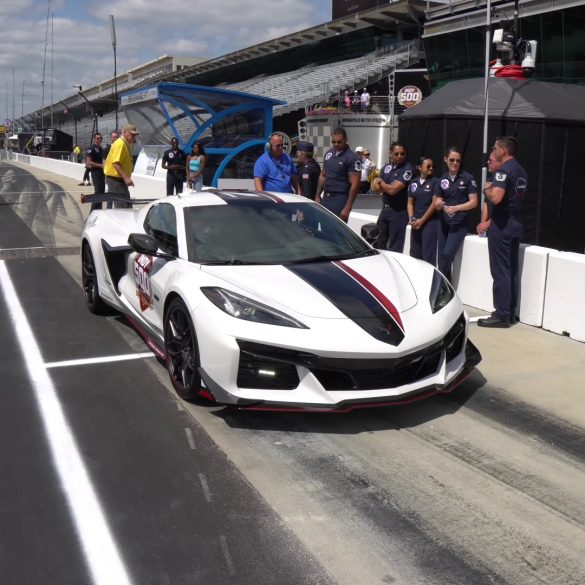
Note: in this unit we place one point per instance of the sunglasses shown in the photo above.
(455, 160)
(337, 142)
(399, 154)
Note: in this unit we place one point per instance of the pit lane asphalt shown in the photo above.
(482, 486)
(180, 512)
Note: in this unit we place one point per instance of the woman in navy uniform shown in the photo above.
(421, 213)
(456, 193)
(393, 185)
(308, 170)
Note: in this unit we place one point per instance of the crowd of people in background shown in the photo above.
(436, 208)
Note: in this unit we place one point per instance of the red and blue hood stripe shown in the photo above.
(355, 296)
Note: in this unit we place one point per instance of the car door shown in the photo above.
(150, 274)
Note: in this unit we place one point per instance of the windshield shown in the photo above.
(264, 232)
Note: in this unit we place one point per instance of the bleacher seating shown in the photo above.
(319, 83)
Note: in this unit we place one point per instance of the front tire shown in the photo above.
(182, 355)
(90, 283)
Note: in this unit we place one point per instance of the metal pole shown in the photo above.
(488, 28)
(113, 35)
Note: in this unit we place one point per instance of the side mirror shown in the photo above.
(143, 244)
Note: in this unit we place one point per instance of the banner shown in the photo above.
(341, 8)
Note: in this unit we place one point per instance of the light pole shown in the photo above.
(113, 35)
(488, 29)
(95, 114)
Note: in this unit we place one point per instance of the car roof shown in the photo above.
(225, 196)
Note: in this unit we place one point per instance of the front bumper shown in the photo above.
(402, 393)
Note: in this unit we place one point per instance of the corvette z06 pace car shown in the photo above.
(268, 301)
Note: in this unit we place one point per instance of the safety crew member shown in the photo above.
(393, 185)
(422, 216)
(484, 223)
(119, 165)
(174, 161)
(505, 195)
(308, 170)
(94, 161)
(339, 181)
(456, 193)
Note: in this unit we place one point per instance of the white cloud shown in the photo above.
(81, 51)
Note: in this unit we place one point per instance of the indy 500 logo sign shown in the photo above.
(409, 96)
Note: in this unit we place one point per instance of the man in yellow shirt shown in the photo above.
(119, 164)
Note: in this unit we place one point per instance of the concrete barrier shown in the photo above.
(471, 274)
(564, 305)
(533, 277)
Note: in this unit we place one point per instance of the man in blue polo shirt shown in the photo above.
(275, 170)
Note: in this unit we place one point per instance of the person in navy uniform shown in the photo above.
(505, 194)
(308, 171)
(340, 176)
(484, 223)
(393, 185)
(422, 213)
(456, 193)
(174, 160)
(94, 161)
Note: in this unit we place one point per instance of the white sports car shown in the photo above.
(269, 301)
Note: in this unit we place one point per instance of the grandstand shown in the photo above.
(314, 66)
(306, 68)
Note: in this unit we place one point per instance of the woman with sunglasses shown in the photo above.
(421, 213)
(456, 193)
(196, 162)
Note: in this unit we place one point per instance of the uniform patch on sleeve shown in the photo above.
(408, 175)
(501, 176)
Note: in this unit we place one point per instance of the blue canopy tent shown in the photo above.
(232, 126)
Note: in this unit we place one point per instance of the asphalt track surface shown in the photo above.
(486, 485)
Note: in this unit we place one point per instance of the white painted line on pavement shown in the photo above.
(102, 556)
(205, 487)
(99, 360)
(27, 248)
(227, 556)
(190, 439)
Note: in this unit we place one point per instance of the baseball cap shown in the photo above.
(304, 146)
(359, 149)
(130, 128)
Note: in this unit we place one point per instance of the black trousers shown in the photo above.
(98, 180)
(175, 182)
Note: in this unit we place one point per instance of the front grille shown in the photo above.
(269, 374)
(264, 366)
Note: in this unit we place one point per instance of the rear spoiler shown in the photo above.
(106, 198)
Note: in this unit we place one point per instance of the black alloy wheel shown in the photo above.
(182, 356)
(89, 281)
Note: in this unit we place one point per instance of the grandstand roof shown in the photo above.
(396, 12)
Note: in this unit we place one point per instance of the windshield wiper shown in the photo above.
(225, 262)
(368, 252)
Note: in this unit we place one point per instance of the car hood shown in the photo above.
(318, 289)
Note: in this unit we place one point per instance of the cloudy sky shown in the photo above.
(77, 46)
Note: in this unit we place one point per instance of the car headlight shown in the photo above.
(244, 308)
(441, 292)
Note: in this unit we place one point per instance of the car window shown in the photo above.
(267, 233)
(161, 223)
